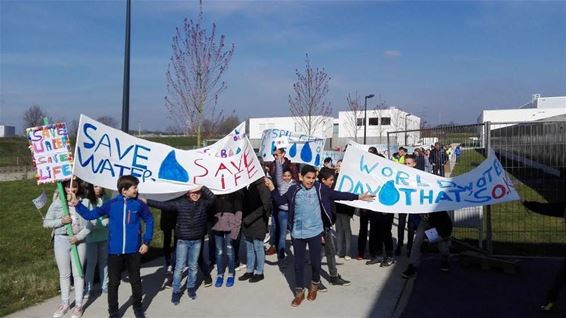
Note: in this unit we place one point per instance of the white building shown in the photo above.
(539, 108)
(348, 126)
(7, 131)
(379, 123)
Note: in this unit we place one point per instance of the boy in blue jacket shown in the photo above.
(309, 202)
(125, 244)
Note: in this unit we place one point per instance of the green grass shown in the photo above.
(516, 230)
(29, 273)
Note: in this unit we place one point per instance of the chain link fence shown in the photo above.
(534, 156)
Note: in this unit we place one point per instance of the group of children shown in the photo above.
(109, 231)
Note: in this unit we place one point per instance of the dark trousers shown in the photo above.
(559, 282)
(115, 265)
(401, 232)
(167, 249)
(330, 253)
(363, 233)
(438, 170)
(299, 248)
(374, 234)
(384, 222)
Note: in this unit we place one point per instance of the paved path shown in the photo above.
(374, 293)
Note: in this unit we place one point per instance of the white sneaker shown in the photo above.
(61, 311)
(169, 269)
(347, 258)
(266, 239)
(77, 312)
(239, 268)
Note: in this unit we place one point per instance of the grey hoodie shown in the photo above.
(53, 220)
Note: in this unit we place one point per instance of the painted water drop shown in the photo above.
(273, 147)
(317, 160)
(238, 151)
(306, 153)
(388, 195)
(293, 150)
(171, 169)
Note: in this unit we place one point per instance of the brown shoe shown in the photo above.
(299, 297)
(271, 250)
(313, 289)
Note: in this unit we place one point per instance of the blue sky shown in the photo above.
(442, 60)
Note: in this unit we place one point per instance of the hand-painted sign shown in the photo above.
(228, 146)
(51, 151)
(402, 189)
(103, 154)
(301, 148)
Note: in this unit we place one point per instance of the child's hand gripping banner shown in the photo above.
(299, 148)
(51, 151)
(402, 189)
(103, 154)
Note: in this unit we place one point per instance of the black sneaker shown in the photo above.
(176, 298)
(207, 281)
(339, 281)
(322, 288)
(444, 265)
(409, 272)
(192, 292)
(139, 313)
(246, 276)
(256, 278)
(375, 260)
(388, 261)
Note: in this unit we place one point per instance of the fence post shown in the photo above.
(488, 224)
(388, 147)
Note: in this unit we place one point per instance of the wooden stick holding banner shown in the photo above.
(53, 160)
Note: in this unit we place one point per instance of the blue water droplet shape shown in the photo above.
(273, 147)
(317, 160)
(293, 150)
(171, 169)
(306, 153)
(238, 150)
(389, 195)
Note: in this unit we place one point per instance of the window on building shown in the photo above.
(360, 122)
(374, 121)
(385, 121)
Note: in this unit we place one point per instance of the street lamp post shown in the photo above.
(126, 88)
(406, 115)
(366, 114)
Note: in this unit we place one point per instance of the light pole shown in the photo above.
(406, 115)
(126, 88)
(366, 114)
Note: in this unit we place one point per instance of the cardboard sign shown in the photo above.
(51, 151)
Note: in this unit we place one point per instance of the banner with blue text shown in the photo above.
(402, 189)
(299, 148)
(103, 154)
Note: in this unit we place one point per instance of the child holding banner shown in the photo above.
(125, 243)
(308, 202)
(96, 241)
(55, 220)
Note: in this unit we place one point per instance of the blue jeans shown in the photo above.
(281, 231)
(255, 256)
(186, 249)
(223, 239)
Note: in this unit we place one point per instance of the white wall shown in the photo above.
(558, 102)
(7, 131)
(519, 115)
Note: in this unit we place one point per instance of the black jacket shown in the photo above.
(257, 210)
(191, 216)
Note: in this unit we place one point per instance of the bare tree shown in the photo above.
(33, 116)
(229, 123)
(108, 121)
(194, 73)
(354, 115)
(307, 104)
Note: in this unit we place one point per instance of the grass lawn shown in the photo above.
(28, 272)
(516, 230)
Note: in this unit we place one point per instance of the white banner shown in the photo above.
(229, 145)
(402, 189)
(103, 154)
(301, 148)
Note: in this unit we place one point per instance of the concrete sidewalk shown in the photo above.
(374, 292)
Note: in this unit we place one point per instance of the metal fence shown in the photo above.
(534, 156)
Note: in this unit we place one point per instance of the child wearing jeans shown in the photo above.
(309, 202)
(125, 243)
(55, 220)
